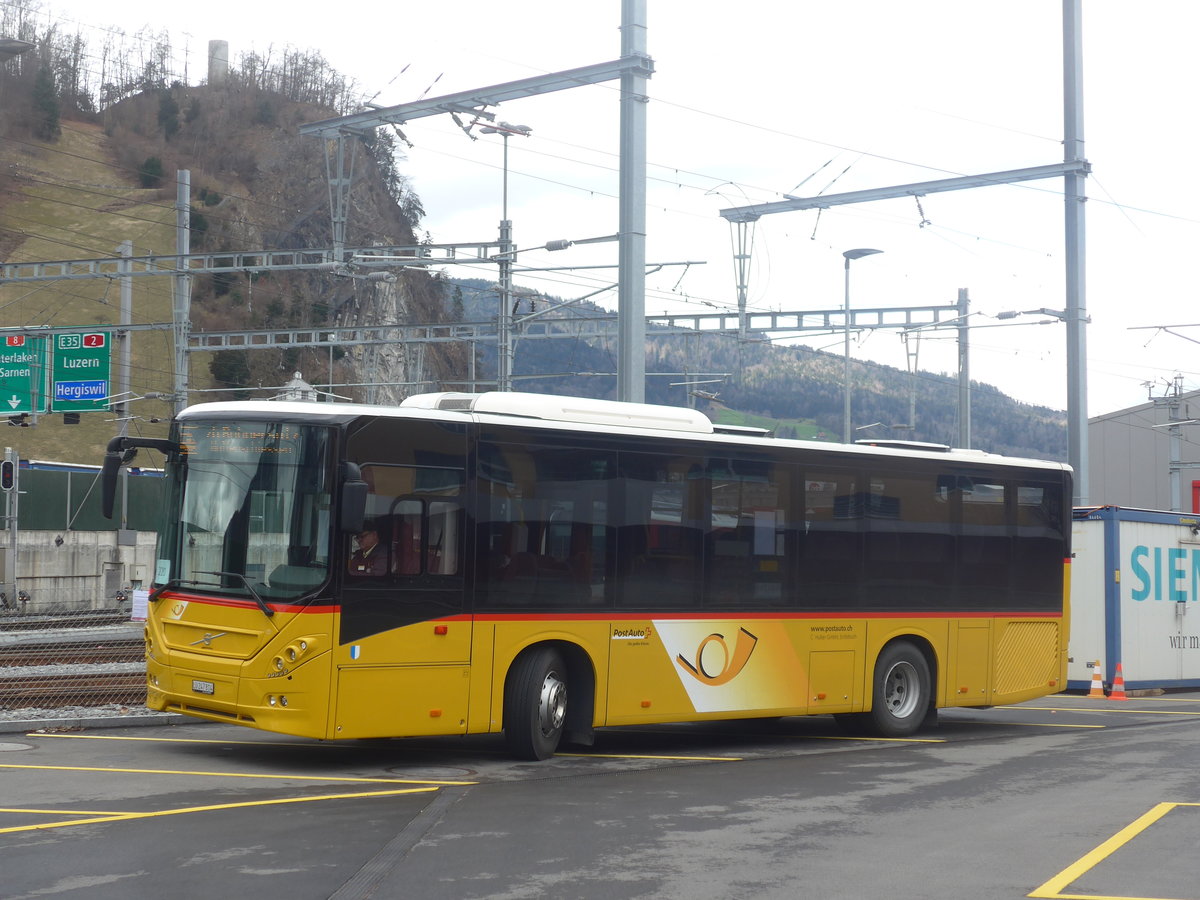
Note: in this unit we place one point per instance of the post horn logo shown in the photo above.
(732, 663)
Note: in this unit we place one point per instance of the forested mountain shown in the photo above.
(798, 387)
(88, 158)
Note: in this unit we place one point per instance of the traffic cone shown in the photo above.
(1118, 688)
(1097, 691)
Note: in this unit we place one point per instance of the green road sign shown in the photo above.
(81, 372)
(22, 374)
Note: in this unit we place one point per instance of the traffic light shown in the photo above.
(8, 475)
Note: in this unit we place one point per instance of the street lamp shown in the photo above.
(849, 255)
(505, 262)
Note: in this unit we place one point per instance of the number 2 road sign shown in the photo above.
(81, 372)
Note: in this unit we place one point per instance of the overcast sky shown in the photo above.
(751, 101)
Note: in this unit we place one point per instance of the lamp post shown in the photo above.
(505, 255)
(849, 255)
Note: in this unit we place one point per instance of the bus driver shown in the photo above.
(370, 558)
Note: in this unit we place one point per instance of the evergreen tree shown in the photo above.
(46, 108)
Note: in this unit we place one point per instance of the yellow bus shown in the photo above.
(544, 566)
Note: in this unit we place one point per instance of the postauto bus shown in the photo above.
(543, 566)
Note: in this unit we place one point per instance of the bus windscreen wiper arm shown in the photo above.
(262, 604)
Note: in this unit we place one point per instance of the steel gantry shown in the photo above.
(633, 69)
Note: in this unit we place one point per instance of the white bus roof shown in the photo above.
(577, 413)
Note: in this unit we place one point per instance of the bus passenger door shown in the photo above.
(404, 638)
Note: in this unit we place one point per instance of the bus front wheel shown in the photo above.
(535, 704)
(901, 691)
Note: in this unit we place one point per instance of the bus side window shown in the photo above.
(543, 536)
(745, 543)
(985, 552)
(425, 537)
(831, 547)
(1041, 536)
(406, 546)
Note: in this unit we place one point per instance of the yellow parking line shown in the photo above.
(861, 737)
(652, 756)
(125, 817)
(1170, 699)
(1107, 709)
(60, 812)
(423, 781)
(162, 740)
(1052, 889)
(1032, 724)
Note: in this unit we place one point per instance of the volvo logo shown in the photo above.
(209, 638)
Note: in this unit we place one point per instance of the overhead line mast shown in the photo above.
(1074, 169)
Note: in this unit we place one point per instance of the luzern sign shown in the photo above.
(82, 363)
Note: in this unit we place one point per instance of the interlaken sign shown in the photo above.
(78, 370)
(22, 374)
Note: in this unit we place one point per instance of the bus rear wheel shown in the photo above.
(535, 704)
(901, 691)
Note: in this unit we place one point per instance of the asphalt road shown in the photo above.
(1060, 798)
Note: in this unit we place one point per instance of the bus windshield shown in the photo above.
(248, 510)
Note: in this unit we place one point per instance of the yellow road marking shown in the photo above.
(1052, 889)
(1127, 712)
(158, 740)
(424, 781)
(126, 817)
(1169, 699)
(652, 756)
(1030, 724)
(60, 812)
(882, 740)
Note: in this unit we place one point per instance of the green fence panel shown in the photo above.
(60, 501)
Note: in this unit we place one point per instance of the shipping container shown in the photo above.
(1135, 583)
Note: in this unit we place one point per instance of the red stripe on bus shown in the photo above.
(615, 615)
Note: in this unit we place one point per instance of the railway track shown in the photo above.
(52, 662)
(75, 654)
(89, 689)
(73, 621)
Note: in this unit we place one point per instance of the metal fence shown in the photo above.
(70, 666)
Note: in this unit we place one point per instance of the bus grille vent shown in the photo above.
(1021, 642)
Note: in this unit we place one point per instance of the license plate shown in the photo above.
(203, 687)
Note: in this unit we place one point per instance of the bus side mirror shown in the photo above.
(120, 451)
(354, 500)
(108, 483)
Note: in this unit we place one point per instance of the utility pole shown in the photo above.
(964, 371)
(1176, 419)
(631, 295)
(181, 296)
(504, 262)
(1074, 197)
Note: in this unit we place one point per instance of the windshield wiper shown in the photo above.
(171, 582)
(262, 604)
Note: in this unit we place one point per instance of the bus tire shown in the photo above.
(901, 691)
(535, 704)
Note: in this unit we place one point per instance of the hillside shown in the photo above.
(77, 183)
